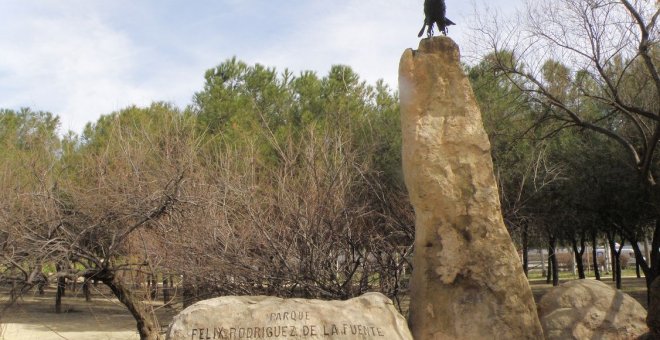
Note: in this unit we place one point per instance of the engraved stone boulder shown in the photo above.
(590, 309)
(370, 316)
(467, 281)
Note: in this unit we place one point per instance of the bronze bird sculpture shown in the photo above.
(435, 11)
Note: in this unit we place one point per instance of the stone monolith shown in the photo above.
(467, 281)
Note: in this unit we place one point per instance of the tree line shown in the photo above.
(269, 183)
(290, 185)
(574, 90)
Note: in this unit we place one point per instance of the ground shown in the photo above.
(34, 317)
(105, 318)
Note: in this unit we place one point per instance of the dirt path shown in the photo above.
(34, 317)
(34, 332)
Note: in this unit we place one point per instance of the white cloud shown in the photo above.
(70, 64)
(347, 32)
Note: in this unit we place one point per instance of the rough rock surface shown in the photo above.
(467, 281)
(590, 309)
(370, 316)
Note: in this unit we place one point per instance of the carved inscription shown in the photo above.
(273, 328)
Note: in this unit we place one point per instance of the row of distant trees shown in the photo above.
(562, 185)
(290, 185)
(571, 92)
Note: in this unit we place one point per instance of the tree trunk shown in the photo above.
(13, 296)
(573, 262)
(642, 263)
(153, 285)
(41, 286)
(72, 284)
(594, 254)
(86, 291)
(653, 318)
(553, 261)
(616, 264)
(555, 271)
(542, 262)
(147, 324)
(525, 248)
(578, 253)
(647, 251)
(188, 292)
(606, 257)
(59, 293)
(655, 255)
(610, 245)
(166, 291)
(549, 273)
(639, 259)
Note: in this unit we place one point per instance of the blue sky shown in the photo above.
(83, 58)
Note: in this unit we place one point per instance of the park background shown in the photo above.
(279, 174)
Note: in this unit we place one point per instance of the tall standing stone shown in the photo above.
(467, 281)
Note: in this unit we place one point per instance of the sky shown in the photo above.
(80, 59)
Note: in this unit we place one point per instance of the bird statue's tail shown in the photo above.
(421, 32)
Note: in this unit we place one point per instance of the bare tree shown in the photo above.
(27, 168)
(317, 223)
(94, 207)
(120, 192)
